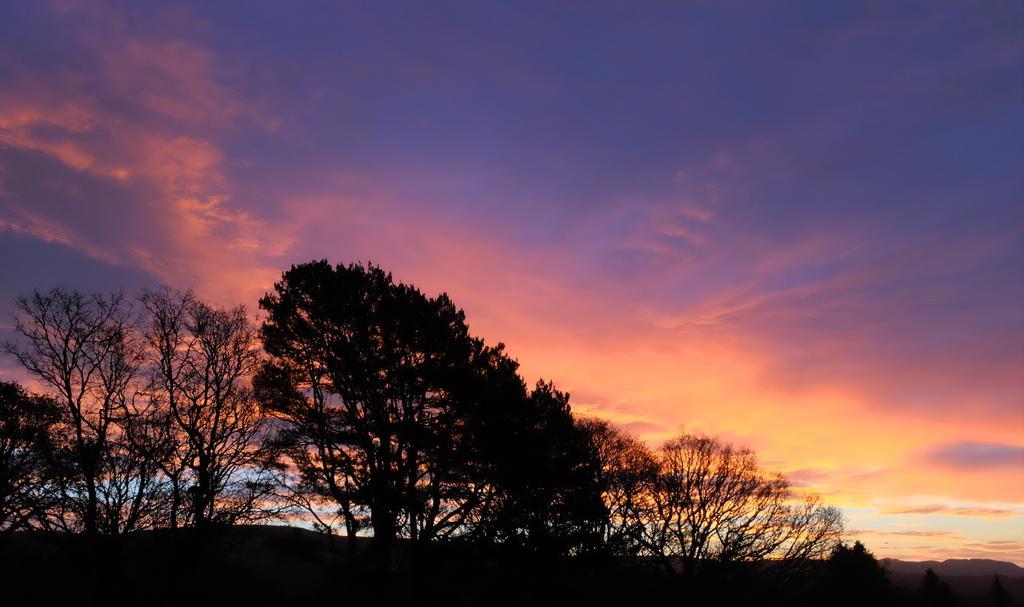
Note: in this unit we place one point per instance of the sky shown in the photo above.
(797, 226)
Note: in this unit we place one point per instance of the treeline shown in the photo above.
(363, 407)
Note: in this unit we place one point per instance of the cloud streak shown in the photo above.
(975, 455)
(129, 137)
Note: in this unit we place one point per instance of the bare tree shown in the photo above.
(628, 474)
(201, 361)
(714, 503)
(697, 500)
(84, 349)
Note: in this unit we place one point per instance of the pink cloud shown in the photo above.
(975, 455)
(136, 128)
(975, 511)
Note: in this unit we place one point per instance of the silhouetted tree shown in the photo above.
(713, 502)
(543, 477)
(998, 595)
(853, 576)
(394, 413)
(84, 349)
(935, 592)
(627, 475)
(362, 360)
(214, 451)
(376, 409)
(26, 458)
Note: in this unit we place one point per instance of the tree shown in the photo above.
(998, 595)
(714, 503)
(853, 576)
(934, 591)
(392, 412)
(542, 473)
(26, 453)
(201, 361)
(627, 475)
(363, 363)
(84, 349)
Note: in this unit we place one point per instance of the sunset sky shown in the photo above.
(799, 229)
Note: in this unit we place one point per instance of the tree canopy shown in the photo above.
(365, 407)
(394, 413)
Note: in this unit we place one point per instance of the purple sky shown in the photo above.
(801, 228)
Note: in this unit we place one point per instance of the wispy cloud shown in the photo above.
(978, 511)
(134, 124)
(974, 455)
(937, 533)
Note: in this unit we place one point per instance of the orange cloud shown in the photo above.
(976, 511)
(139, 121)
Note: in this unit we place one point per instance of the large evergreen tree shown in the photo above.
(395, 415)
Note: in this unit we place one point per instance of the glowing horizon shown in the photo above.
(803, 234)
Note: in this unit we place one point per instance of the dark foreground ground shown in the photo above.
(292, 566)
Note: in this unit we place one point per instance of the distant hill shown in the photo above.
(955, 567)
(968, 578)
